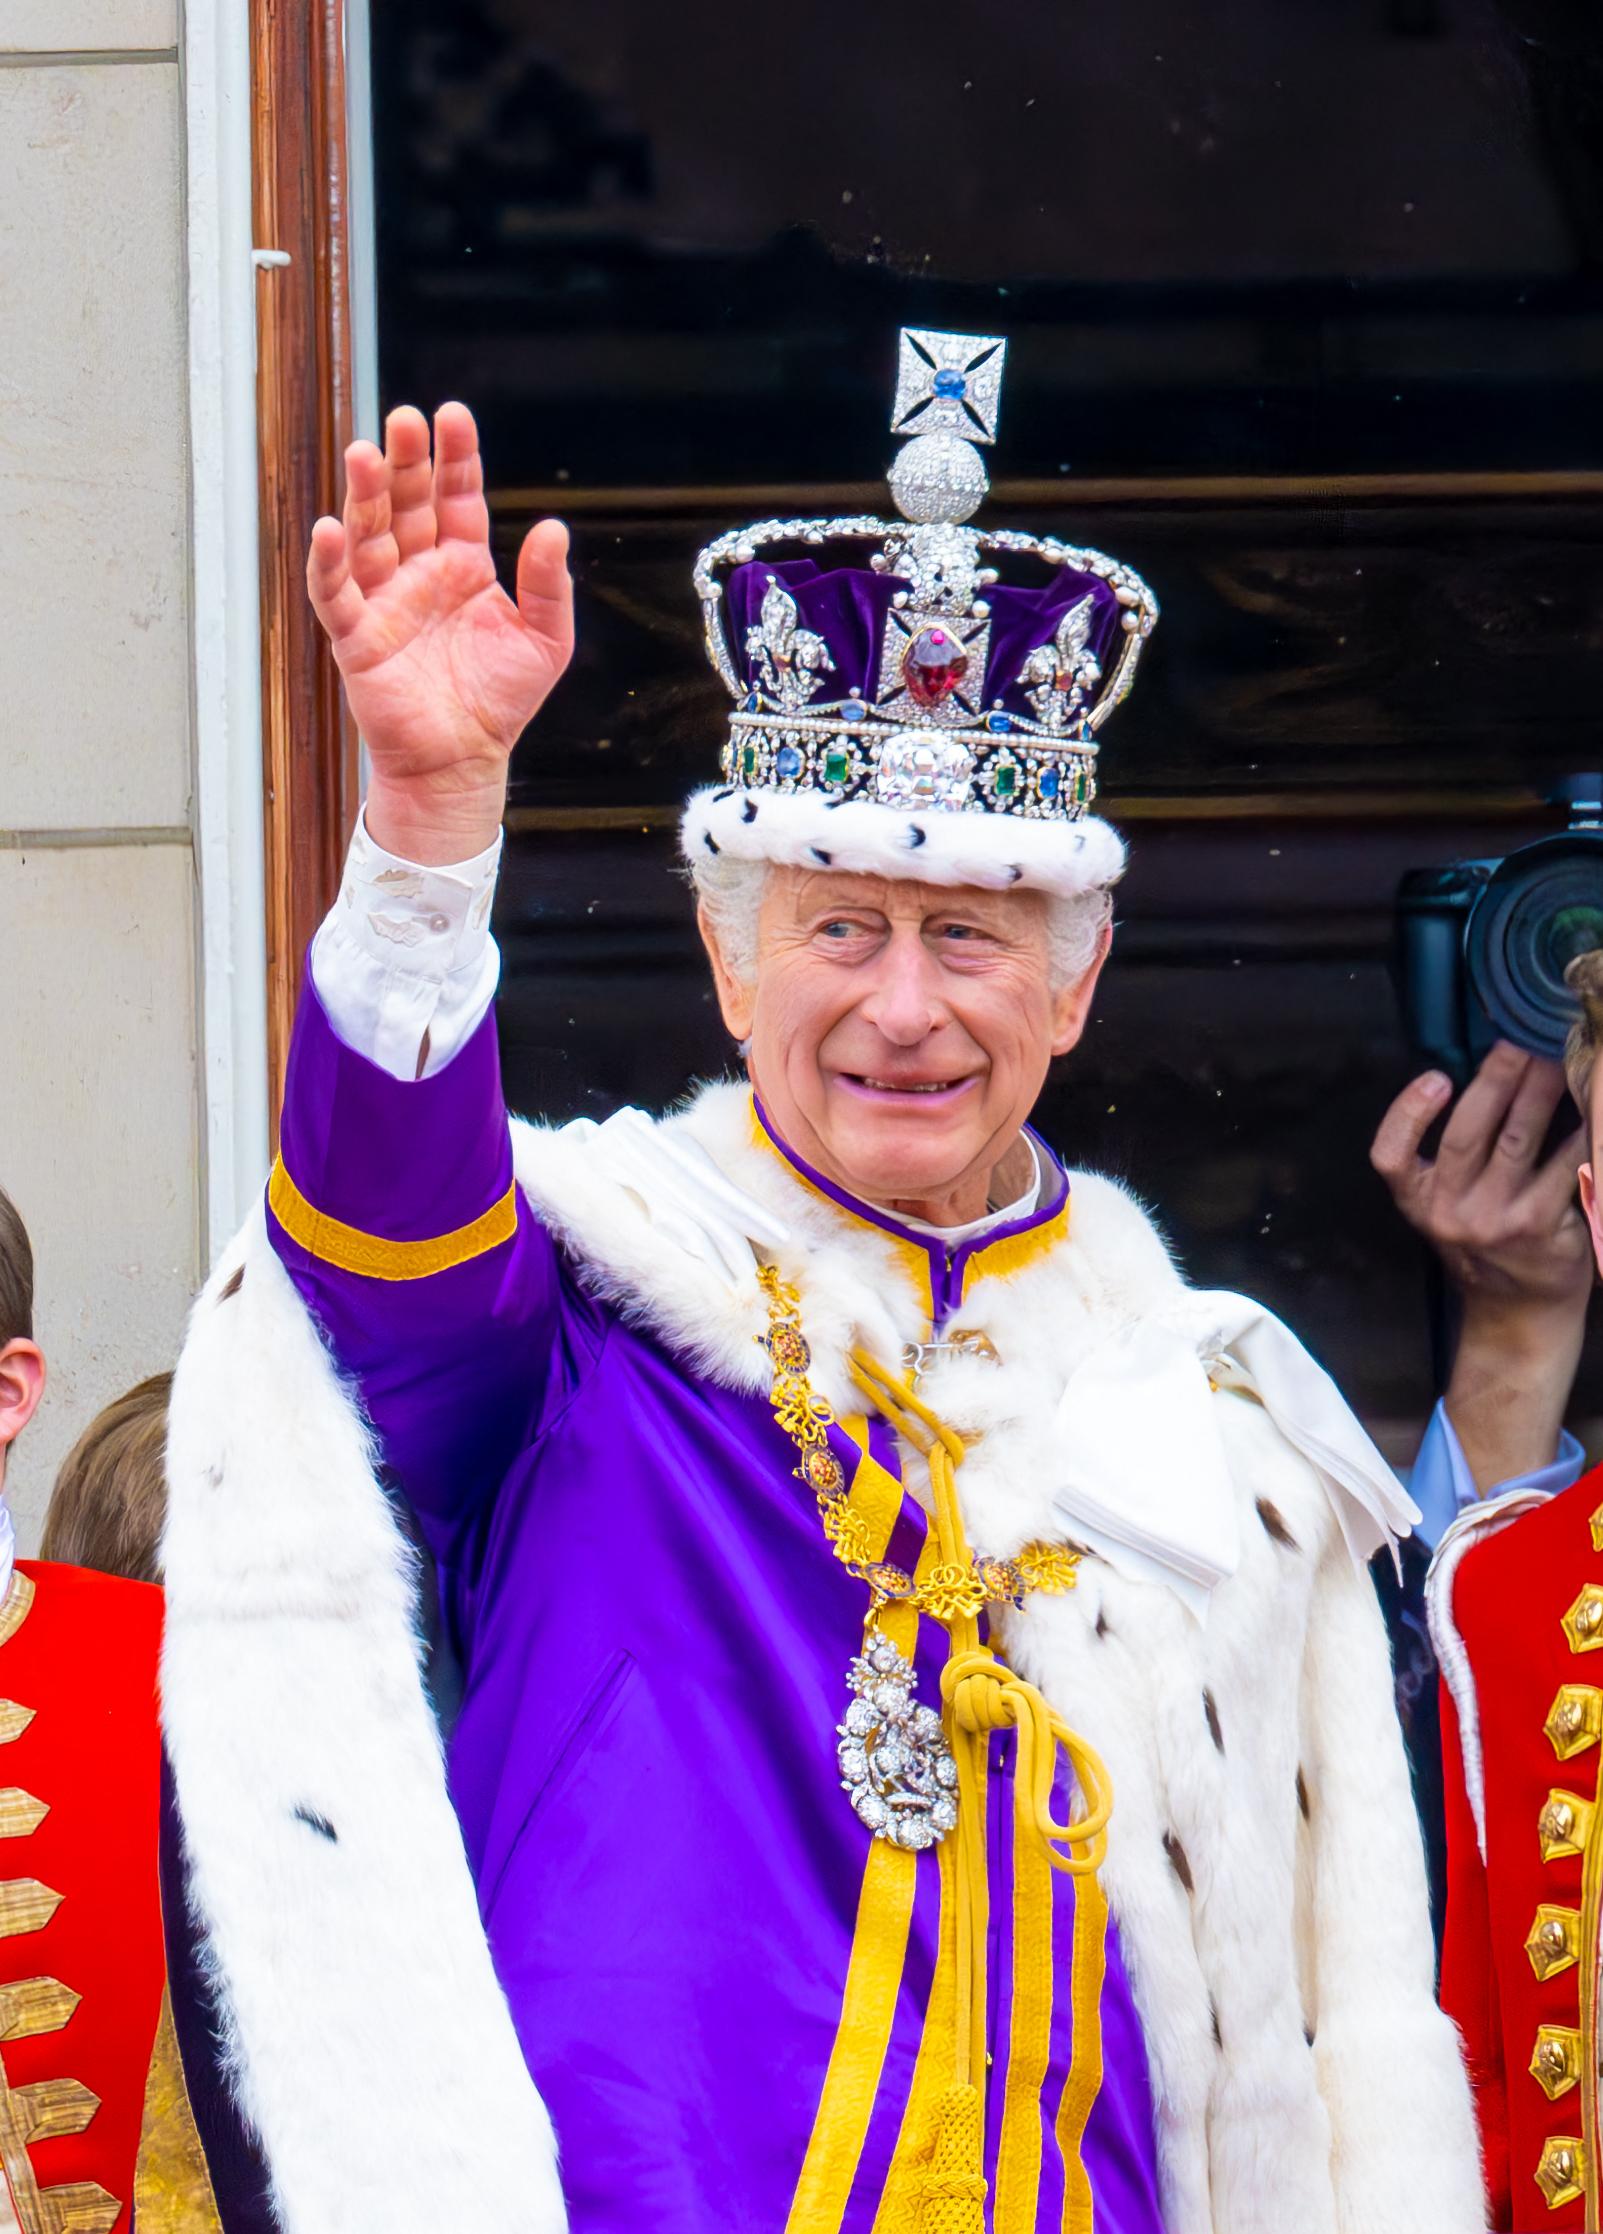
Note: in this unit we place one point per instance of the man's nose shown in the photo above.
(905, 1003)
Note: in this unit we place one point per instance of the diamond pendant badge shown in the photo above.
(895, 1762)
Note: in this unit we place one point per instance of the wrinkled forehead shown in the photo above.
(795, 895)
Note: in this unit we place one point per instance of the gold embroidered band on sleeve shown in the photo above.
(369, 1254)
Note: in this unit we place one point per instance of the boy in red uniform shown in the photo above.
(82, 1969)
(1516, 1610)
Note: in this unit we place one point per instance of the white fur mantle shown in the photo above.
(1263, 1864)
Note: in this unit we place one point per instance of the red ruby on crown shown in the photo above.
(933, 666)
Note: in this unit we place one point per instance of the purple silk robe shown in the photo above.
(653, 1638)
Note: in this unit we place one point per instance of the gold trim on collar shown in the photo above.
(369, 1254)
(1015, 1252)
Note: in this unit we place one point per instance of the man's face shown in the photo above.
(900, 1033)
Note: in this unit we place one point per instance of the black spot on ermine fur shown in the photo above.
(318, 1823)
(232, 1285)
(825, 860)
(1302, 1796)
(710, 842)
(1211, 1710)
(1179, 1861)
(1275, 1525)
(1101, 1623)
(748, 810)
(1213, 2019)
(916, 836)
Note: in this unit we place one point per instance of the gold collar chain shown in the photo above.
(949, 1591)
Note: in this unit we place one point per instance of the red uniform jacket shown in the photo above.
(1517, 1612)
(82, 1969)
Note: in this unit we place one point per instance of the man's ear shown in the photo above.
(1071, 1004)
(22, 1383)
(737, 1000)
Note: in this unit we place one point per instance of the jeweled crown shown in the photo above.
(923, 680)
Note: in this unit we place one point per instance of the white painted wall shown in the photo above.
(132, 1119)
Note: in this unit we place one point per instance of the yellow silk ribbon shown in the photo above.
(982, 1694)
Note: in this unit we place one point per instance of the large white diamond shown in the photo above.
(918, 769)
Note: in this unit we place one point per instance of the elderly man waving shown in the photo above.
(926, 1758)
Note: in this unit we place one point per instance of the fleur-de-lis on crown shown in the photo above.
(1058, 678)
(789, 658)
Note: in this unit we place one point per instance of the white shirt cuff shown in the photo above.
(404, 962)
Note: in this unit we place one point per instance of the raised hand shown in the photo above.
(1505, 1223)
(441, 668)
(1506, 1227)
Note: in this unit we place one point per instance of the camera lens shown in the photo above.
(1577, 928)
(1543, 906)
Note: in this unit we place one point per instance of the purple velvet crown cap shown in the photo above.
(848, 605)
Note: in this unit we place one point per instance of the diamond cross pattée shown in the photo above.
(948, 384)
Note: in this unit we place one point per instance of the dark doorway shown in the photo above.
(1306, 321)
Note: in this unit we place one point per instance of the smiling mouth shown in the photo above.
(912, 1089)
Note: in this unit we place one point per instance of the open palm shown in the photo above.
(442, 669)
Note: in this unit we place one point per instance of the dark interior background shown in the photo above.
(1305, 305)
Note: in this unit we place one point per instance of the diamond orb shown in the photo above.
(938, 477)
(919, 769)
(933, 665)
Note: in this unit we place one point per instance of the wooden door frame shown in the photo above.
(300, 209)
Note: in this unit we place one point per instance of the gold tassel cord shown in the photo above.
(982, 1694)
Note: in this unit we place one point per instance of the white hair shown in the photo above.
(731, 890)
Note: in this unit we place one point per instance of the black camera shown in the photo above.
(1482, 946)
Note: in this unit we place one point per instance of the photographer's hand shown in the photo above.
(1511, 1237)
